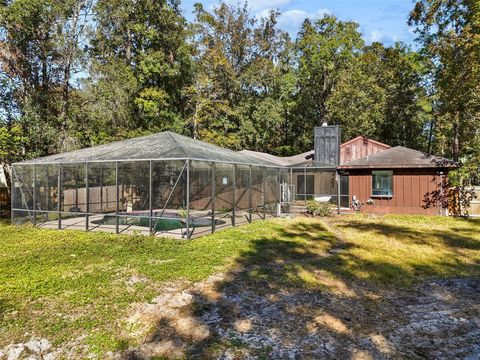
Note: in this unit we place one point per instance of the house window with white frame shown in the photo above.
(382, 183)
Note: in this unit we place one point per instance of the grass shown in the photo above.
(400, 250)
(62, 285)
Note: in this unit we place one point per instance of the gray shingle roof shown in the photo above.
(163, 145)
(300, 160)
(168, 145)
(398, 157)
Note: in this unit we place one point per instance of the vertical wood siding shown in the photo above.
(409, 189)
(360, 148)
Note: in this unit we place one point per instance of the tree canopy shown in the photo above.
(77, 73)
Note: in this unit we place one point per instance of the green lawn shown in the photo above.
(399, 250)
(61, 285)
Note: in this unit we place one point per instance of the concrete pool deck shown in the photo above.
(94, 224)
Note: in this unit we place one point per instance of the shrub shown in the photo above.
(318, 208)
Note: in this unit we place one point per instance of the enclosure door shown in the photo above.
(306, 184)
(344, 191)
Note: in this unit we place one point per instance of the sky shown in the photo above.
(379, 20)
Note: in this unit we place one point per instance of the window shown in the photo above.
(382, 183)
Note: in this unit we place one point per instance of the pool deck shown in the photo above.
(79, 223)
(94, 224)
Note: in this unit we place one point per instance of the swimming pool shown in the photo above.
(163, 224)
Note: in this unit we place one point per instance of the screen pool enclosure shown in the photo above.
(161, 184)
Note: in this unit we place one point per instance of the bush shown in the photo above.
(318, 208)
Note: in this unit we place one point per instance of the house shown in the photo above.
(381, 178)
(359, 148)
(395, 180)
(166, 183)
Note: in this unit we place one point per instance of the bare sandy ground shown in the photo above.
(256, 311)
(226, 319)
(229, 317)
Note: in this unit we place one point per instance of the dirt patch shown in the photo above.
(281, 302)
(169, 325)
(32, 349)
(441, 320)
(295, 299)
(229, 317)
(438, 319)
(42, 349)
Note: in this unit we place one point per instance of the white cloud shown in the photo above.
(289, 20)
(260, 5)
(292, 19)
(262, 14)
(379, 36)
(375, 36)
(260, 8)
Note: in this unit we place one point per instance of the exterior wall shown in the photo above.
(409, 189)
(360, 148)
(324, 184)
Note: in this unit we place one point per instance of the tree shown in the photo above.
(144, 43)
(12, 144)
(243, 83)
(26, 48)
(408, 107)
(76, 73)
(358, 102)
(448, 32)
(224, 43)
(270, 80)
(40, 55)
(326, 47)
(382, 95)
(107, 105)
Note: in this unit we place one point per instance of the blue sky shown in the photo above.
(379, 20)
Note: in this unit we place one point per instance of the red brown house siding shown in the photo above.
(403, 178)
(359, 148)
(409, 189)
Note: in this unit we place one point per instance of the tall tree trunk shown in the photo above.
(430, 137)
(456, 137)
(286, 125)
(71, 47)
(128, 47)
(8, 178)
(66, 103)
